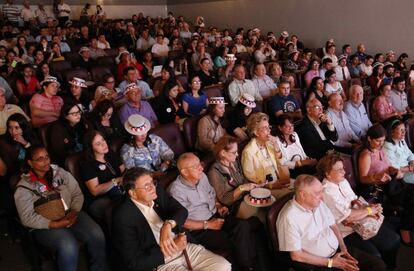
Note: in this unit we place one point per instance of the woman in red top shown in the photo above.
(126, 60)
(27, 84)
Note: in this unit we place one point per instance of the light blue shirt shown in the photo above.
(198, 199)
(398, 154)
(146, 90)
(342, 126)
(358, 118)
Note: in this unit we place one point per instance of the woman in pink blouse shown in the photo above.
(382, 107)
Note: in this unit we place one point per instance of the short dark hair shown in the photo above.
(127, 69)
(131, 175)
(326, 60)
(398, 79)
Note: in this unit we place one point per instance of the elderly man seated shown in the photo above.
(263, 83)
(307, 231)
(355, 110)
(135, 105)
(241, 85)
(317, 130)
(209, 221)
(6, 110)
(147, 230)
(131, 76)
(347, 139)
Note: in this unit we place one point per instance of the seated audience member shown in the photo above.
(160, 49)
(307, 231)
(263, 83)
(77, 94)
(8, 92)
(101, 171)
(145, 41)
(27, 83)
(102, 93)
(330, 53)
(135, 105)
(209, 221)
(126, 59)
(378, 179)
(362, 56)
(293, 155)
(312, 72)
(209, 129)
(230, 185)
(148, 63)
(366, 67)
(264, 52)
(318, 127)
(45, 106)
(131, 76)
(397, 151)
(261, 158)
(195, 101)
(56, 54)
(207, 76)
(284, 103)
(107, 123)
(326, 66)
(67, 134)
(239, 116)
(221, 57)
(347, 139)
(356, 113)
(332, 85)
(376, 78)
(238, 42)
(60, 235)
(354, 67)
(341, 71)
(85, 60)
(145, 150)
(402, 63)
(198, 55)
(292, 64)
(6, 110)
(340, 198)
(398, 96)
(146, 224)
(304, 60)
(317, 91)
(13, 144)
(167, 74)
(169, 105)
(275, 72)
(388, 73)
(241, 85)
(95, 50)
(382, 108)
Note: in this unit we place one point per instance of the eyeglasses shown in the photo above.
(338, 169)
(196, 82)
(147, 187)
(77, 113)
(316, 107)
(234, 152)
(41, 159)
(110, 82)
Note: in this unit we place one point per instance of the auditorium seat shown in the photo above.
(106, 61)
(190, 132)
(183, 79)
(172, 135)
(98, 72)
(214, 90)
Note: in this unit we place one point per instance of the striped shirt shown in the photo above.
(11, 12)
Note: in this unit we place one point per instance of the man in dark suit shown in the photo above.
(145, 230)
(316, 130)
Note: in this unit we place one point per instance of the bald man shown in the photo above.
(355, 110)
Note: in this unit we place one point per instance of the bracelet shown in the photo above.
(240, 188)
(299, 163)
(27, 145)
(369, 209)
(114, 182)
(205, 225)
(330, 263)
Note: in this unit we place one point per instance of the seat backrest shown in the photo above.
(98, 72)
(72, 164)
(44, 132)
(106, 61)
(60, 66)
(355, 157)
(183, 79)
(190, 131)
(245, 56)
(172, 135)
(409, 135)
(368, 100)
(111, 52)
(272, 217)
(79, 72)
(214, 91)
(349, 170)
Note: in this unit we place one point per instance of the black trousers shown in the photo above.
(236, 235)
(384, 245)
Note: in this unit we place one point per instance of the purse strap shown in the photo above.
(32, 190)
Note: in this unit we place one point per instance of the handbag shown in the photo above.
(49, 205)
(369, 226)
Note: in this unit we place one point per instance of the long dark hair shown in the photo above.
(24, 125)
(374, 132)
(390, 128)
(87, 144)
(101, 108)
(200, 91)
(281, 120)
(79, 127)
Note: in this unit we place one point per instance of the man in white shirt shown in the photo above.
(347, 139)
(145, 41)
(326, 66)
(241, 85)
(63, 13)
(398, 96)
(307, 230)
(366, 66)
(160, 49)
(41, 15)
(239, 44)
(147, 230)
(341, 70)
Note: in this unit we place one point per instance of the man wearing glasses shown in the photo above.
(317, 130)
(146, 228)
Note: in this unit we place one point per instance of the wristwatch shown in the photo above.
(205, 224)
(171, 222)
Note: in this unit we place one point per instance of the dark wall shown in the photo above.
(102, 2)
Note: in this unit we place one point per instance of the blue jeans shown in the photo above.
(65, 243)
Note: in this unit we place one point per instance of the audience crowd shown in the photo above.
(151, 132)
